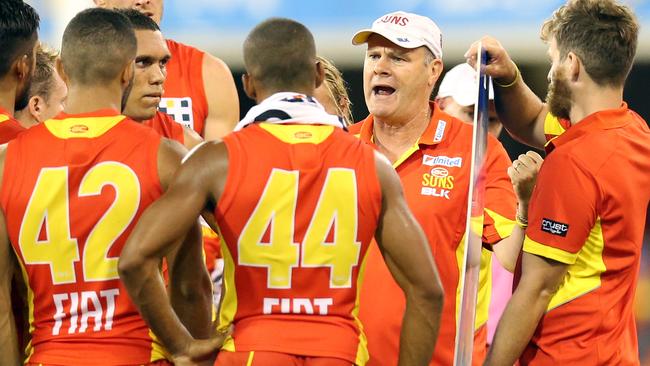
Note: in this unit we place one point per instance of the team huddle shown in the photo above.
(143, 223)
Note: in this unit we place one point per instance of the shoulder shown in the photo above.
(355, 129)
(139, 127)
(215, 68)
(181, 48)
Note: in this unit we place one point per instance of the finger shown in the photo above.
(526, 161)
(535, 156)
(471, 52)
(511, 173)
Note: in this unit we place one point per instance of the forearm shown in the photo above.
(191, 287)
(145, 285)
(520, 111)
(516, 327)
(419, 330)
(9, 353)
(507, 250)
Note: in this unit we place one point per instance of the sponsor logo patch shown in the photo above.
(442, 160)
(302, 135)
(180, 109)
(79, 129)
(555, 227)
(440, 131)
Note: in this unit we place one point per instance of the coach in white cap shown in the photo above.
(431, 152)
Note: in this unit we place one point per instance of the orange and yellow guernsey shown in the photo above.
(588, 211)
(77, 185)
(9, 127)
(296, 218)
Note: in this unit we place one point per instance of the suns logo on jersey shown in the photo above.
(180, 109)
(437, 183)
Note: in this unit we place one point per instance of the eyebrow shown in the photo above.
(151, 59)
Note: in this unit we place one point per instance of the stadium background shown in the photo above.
(220, 26)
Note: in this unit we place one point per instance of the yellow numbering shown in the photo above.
(336, 211)
(49, 206)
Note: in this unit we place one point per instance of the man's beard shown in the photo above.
(559, 96)
(22, 99)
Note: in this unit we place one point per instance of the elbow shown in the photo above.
(129, 266)
(431, 296)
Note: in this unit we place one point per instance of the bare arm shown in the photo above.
(223, 101)
(523, 174)
(539, 282)
(163, 224)
(9, 353)
(191, 138)
(520, 110)
(408, 256)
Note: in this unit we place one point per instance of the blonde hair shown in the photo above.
(336, 88)
(43, 77)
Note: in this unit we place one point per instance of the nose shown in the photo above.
(142, 2)
(382, 66)
(158, 75)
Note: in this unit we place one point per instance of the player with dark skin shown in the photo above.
(200, 183)
(105, 86)
(150, 73)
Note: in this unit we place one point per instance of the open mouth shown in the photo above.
(383, 90)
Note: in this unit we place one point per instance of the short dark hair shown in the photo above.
(281, 54)
(602, 33)
(18, 26)
(139, 20)
(97, 45)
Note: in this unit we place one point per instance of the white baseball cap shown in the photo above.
(406, 30)
(460, 83)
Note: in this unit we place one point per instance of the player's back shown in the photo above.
(297, 214)
(72, 190)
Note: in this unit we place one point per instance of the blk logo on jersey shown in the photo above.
(180, 109)
(555, 227)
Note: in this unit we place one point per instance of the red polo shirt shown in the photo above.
(435, 174)
(588, 211)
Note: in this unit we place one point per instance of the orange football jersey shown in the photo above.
(9, 127)
(296, 218)
(78, 185)
(184, 97)
(165, 125)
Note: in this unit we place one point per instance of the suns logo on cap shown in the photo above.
(395, 20)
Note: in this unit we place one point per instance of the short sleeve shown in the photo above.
(562, 210)
(500, 199)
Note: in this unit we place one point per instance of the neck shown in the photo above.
(394, 138)
(594, 101)
(84, 99)
(265, 93)
(25, 118)
(7, 95)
